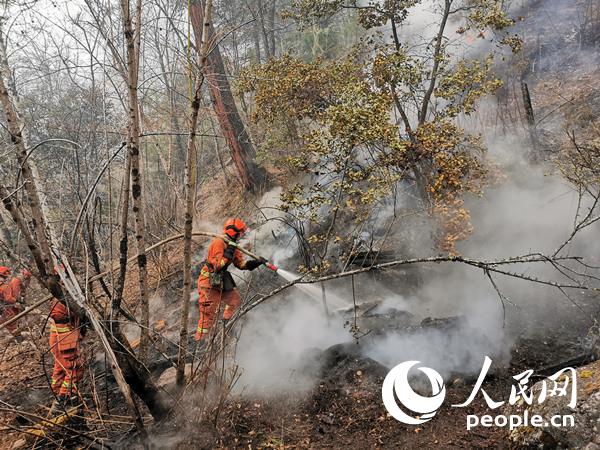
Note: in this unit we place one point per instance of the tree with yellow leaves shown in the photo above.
(382, 115)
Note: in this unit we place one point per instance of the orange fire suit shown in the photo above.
(10, 291)
(65, 338)
(211, 292)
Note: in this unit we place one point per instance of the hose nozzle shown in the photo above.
(273, 267)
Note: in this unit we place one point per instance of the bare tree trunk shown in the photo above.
(132, 38)
(256, 40)
(18, 134)
(164, 63)
(190, 194)
(439, 41)
(123, 240)
(232, 127)
(14, 209)
(531, 128)
(136, 375)
(271, 27)
(265, 16)
(5, 233)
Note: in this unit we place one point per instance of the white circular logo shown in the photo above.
(396, 382)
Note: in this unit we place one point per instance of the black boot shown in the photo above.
(58, 406)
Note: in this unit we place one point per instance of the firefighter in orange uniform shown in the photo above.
(10, 293)
(66, 333)
(215, 283)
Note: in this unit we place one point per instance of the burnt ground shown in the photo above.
(342, 410)
(345, 411)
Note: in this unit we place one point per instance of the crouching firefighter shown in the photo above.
(67, 330)
(215, 283)
(11, 291)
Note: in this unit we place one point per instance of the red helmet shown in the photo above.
(234, 228)
(4, 271)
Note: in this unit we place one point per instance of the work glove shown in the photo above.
(229, 251)
(254, 263)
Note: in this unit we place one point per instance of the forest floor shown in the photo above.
(342, 410)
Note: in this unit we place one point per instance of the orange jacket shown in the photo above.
(215, 261)
(10, 291)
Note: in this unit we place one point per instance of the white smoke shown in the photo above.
(275, 339)
(532, 210)
(275, 240)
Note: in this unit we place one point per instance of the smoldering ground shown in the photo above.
(531, 210)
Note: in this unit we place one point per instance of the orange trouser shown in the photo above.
(68, 362)
(210, 300)
(8, 313)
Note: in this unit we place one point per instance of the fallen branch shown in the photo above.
(49, 422)
(25, 312)
(486, 266)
